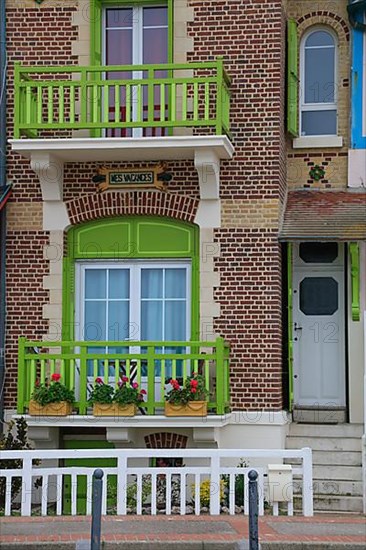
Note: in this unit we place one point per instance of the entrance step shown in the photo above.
(337, 465)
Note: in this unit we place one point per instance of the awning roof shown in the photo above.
(324, 215)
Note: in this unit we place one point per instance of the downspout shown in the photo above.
(3, 68)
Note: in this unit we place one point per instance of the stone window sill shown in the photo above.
(311, 142)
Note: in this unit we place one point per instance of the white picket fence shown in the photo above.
(133, 469)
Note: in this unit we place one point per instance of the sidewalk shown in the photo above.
(188, 532)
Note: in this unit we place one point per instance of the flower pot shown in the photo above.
(61, 408)
(192, 408)
(113, 409)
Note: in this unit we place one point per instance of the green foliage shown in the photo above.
(193, 389)
(206, 488)
(11, 441)
(101, 393)
(52, 392)
(125, 394)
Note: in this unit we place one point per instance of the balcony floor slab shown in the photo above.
(124, 149)
(138, 421)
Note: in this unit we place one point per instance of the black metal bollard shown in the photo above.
(96, 509)
(253, 510)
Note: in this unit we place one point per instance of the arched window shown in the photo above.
(318, 83)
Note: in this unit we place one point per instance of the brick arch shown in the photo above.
(130, 203)
(165, 440)
(324, 18)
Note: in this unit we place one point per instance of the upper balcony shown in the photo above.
(117, 113)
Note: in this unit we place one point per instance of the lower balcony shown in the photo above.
(149, 364)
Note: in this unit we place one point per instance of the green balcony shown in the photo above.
(150, 364)
(121, 101)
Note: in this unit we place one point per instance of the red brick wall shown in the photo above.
(39, 35)
(250, 36)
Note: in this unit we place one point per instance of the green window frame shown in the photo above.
(129, 238)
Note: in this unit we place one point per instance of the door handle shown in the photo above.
(297, 327)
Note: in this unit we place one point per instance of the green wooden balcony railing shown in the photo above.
(150, 364)
(106, 99)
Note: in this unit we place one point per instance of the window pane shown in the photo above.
(175, 320)
(95, 321)
(155, 17)
(175, 283)
(119, 283)
(95, 283)
(151, 320)
(151, 283)
(318, 296)
(318, 253)
(118, 320)
(320, 38)
(319, 75)
(318, 123)
(159, 53)
(119, 17)
(119, 47)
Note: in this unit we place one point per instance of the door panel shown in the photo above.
(318, 333)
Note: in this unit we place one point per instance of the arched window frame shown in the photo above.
(317, 106)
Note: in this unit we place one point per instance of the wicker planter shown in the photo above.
(113, 409)
(61, 408)
(192, 408)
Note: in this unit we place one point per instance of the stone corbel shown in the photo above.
(121, 437)
(50, 171)
(205, 437)
(207, 164)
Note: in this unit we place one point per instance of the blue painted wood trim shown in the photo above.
(358, 139)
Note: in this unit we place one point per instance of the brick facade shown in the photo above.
(248, 294)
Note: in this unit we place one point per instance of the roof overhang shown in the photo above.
(324, 216)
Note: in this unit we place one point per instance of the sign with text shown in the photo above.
(132, 178)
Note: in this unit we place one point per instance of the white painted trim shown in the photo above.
(208, 214)
(317, 142)
(55, 216)
(357, 167)
(124, 149)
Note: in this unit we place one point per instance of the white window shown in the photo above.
(134, 301)
(135, 35)
(318, 83)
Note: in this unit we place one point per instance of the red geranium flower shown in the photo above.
(55, 377)
(124, 379)
(193, 390)
(99, 380)
(143, 392)
(135, 385)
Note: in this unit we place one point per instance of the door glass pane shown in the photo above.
(175, 283)
(118, 320)
(95, 283)
(152, 320)
(151, 283)
(120, 17)
(175, 320)
(119, 283)
(318, 253)
(155, 17)
(318, 296)
(95, 320)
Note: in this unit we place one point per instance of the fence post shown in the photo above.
(253, 510)
(307, 482)
(96, 509)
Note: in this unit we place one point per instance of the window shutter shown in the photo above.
(292, 78)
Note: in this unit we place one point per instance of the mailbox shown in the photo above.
(280, 482)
